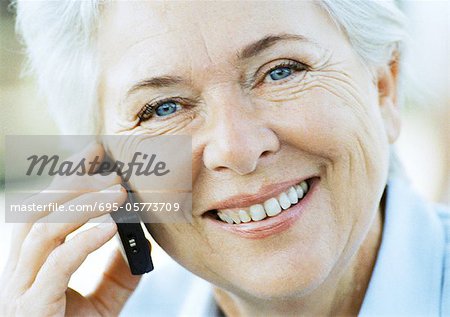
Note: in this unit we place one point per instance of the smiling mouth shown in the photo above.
(269, 208)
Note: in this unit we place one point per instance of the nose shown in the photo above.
(238, 138)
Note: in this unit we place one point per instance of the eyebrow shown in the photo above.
(156, 82)
(249, 51)
(266, 42)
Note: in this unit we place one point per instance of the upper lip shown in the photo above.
(265, 192)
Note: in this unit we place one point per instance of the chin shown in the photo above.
(283, 278)
(291, 266)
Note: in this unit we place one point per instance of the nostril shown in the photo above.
(220, 168)
(265, 153)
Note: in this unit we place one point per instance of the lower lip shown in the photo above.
(270, 225)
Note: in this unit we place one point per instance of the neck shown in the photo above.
(339, 296)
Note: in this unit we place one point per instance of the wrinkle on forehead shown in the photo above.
(196, 24)
(196, 41)
(204, 42)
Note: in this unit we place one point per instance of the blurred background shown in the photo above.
(423, 146)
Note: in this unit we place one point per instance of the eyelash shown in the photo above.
(149, 108)
(296, 66)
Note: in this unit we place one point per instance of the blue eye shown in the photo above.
(166, 108)
(280, 73)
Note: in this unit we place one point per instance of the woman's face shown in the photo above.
(272, 94)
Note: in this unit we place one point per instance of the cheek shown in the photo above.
(337, 124)
(330, 116)
(188, 245)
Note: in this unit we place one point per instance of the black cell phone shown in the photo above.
(134, 243)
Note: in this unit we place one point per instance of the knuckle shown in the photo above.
(85, 243)
(38, 233)
(55, 263)
(82, 243)
(41, 232)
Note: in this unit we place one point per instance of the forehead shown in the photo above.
(139, 37)
(162, 26)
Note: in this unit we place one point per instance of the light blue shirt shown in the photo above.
(411, 275)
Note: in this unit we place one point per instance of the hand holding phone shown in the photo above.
(42, 261)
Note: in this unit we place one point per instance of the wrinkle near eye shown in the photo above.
(286, 91)
(342, 86)
(173, 126)
(333, 81)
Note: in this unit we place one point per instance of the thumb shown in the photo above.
(116, 286)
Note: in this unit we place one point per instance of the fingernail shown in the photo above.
(107, 224)
(114, 188)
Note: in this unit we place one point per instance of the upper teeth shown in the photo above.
(271, 207)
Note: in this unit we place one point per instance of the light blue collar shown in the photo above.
(407, 277)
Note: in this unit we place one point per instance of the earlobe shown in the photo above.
(390, 113)
(387, 98)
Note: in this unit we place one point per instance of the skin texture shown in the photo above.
(335, 120)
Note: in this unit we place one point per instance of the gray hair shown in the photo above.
(61, 49)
